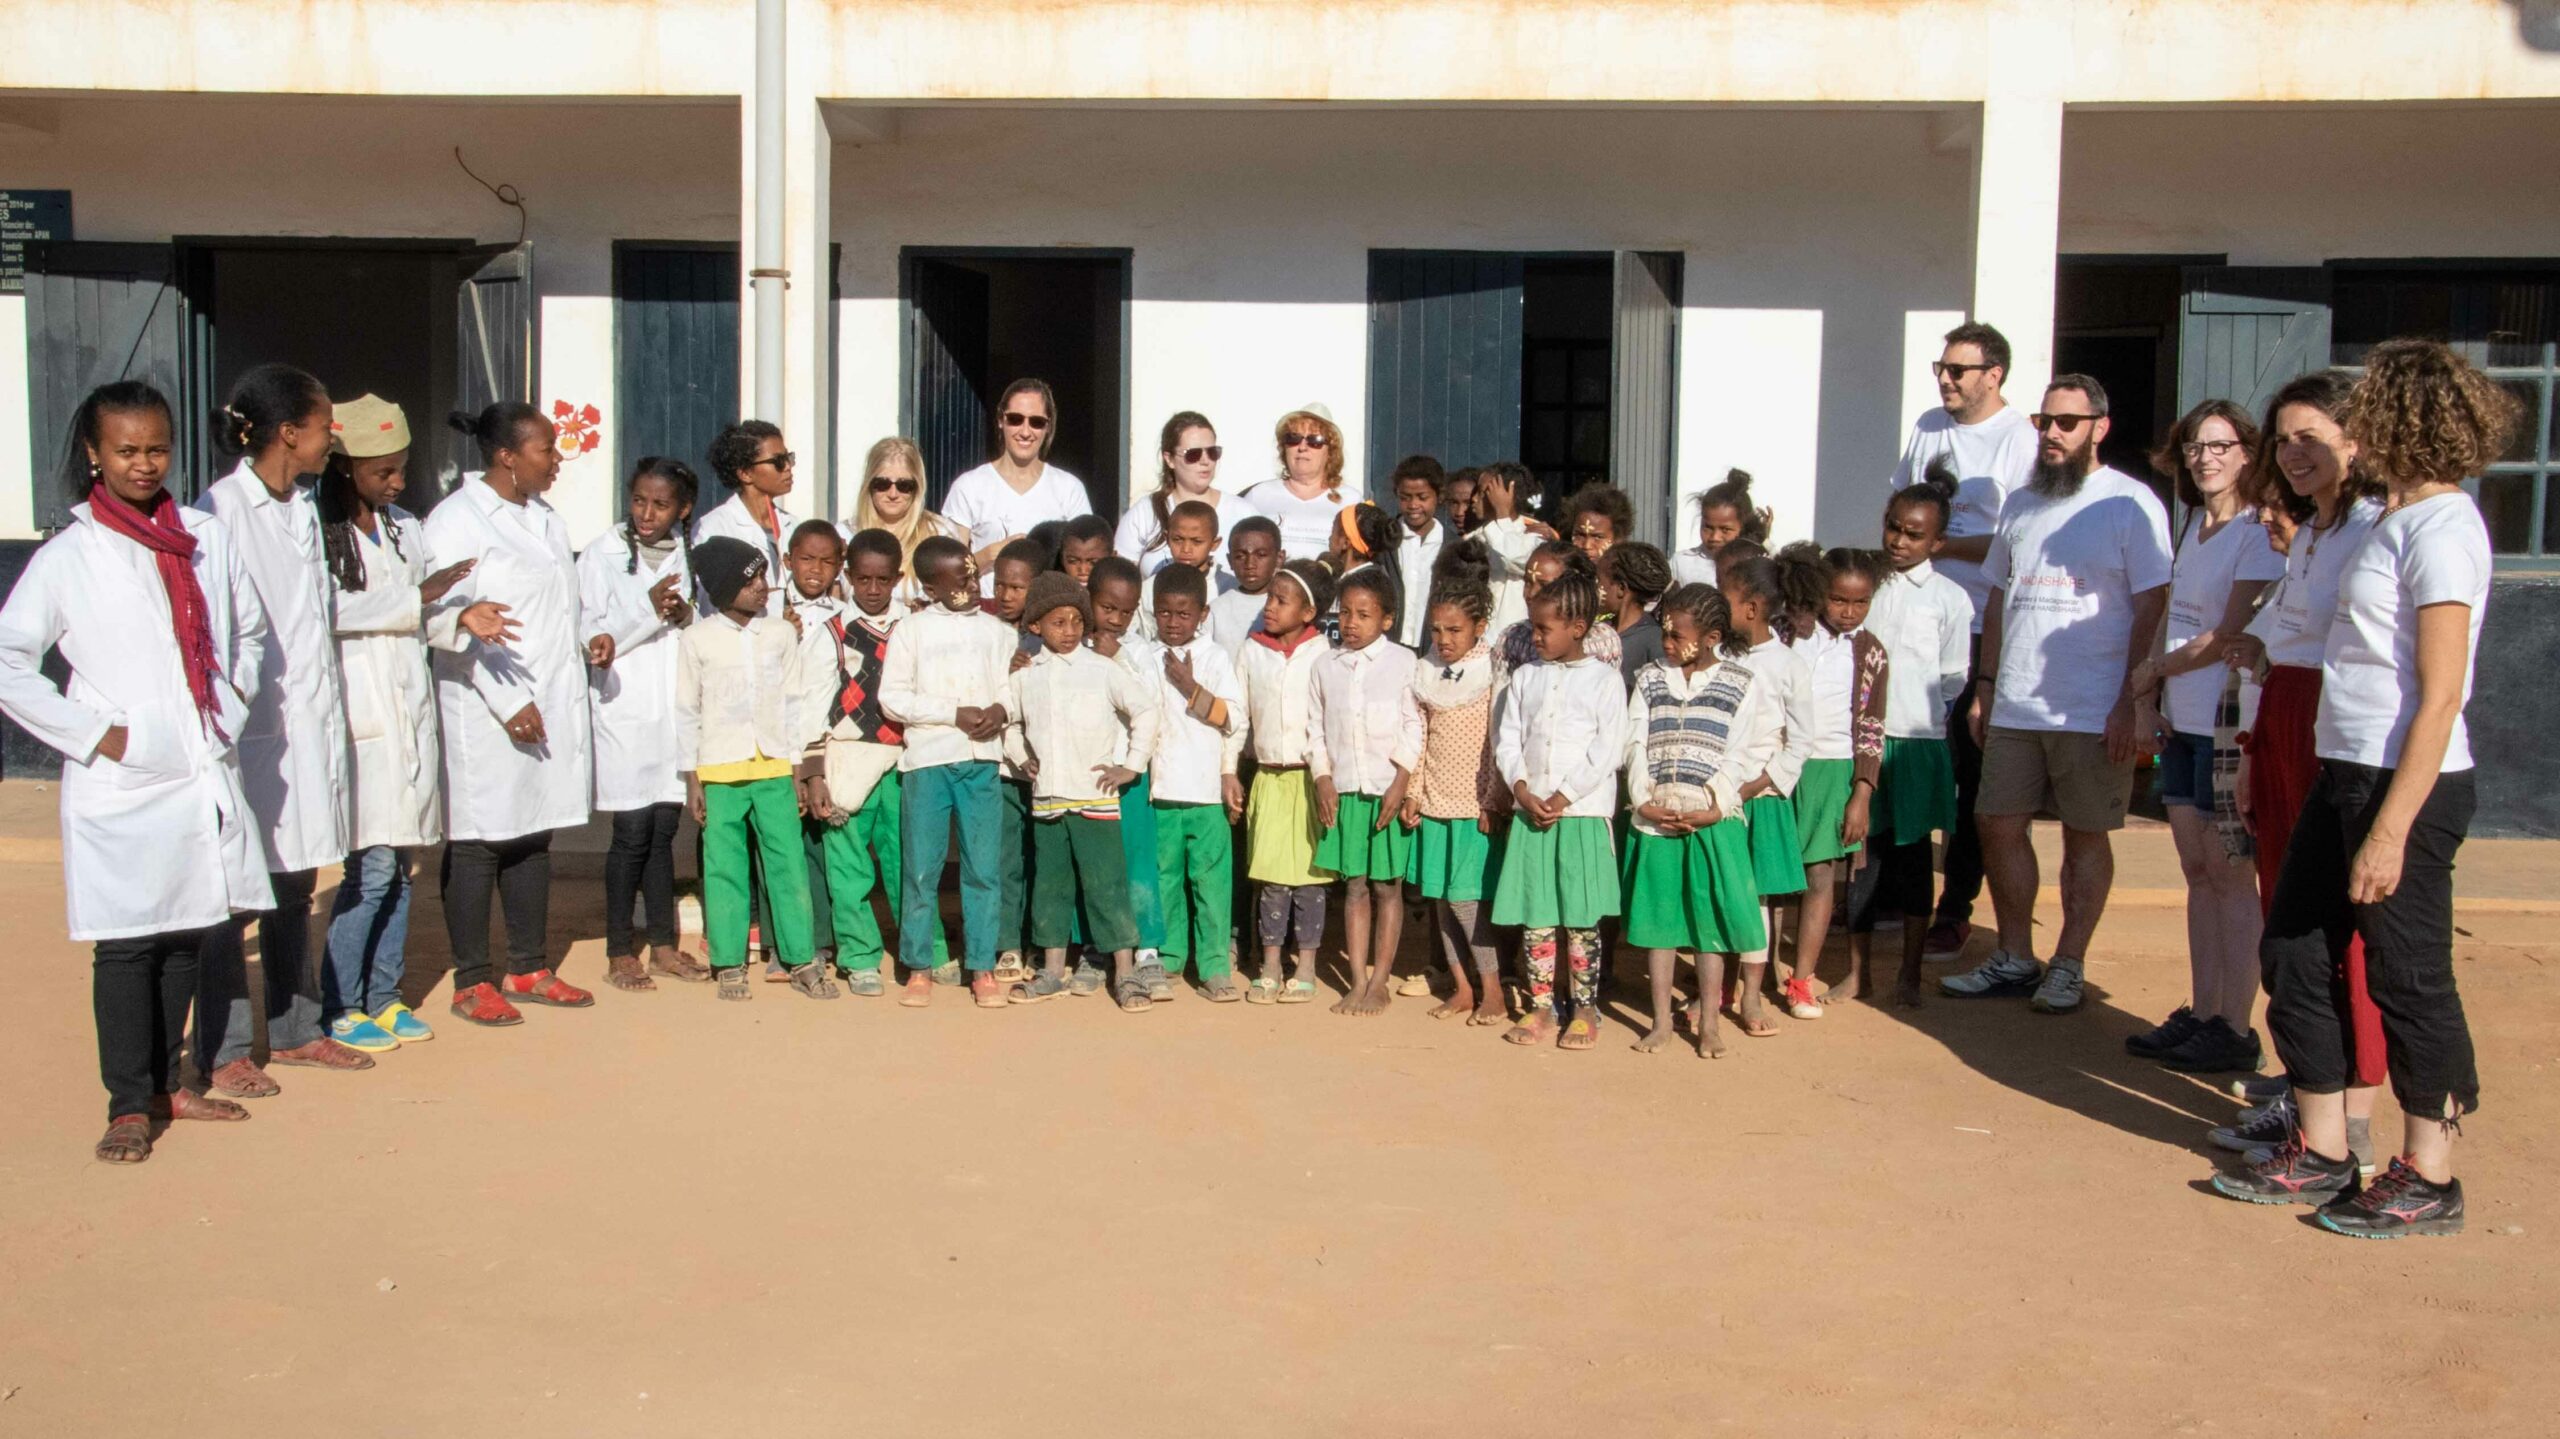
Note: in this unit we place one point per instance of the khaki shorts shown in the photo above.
(2031, 771)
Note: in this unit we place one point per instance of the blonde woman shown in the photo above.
(891, 497)
(1309, 490)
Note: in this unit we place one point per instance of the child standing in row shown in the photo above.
(1559, 740)
(1847, 666)
(1198, 741)
(864, 844)
(1456, 795)
(1725, 514)
(1113, 590)
(1754, 596)
(1253, 556)
(1362, 757)
(1191, 543)
(1017, 565)
(1276, 673)
(1633, 577)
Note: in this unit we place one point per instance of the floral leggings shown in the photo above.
(1582, 956)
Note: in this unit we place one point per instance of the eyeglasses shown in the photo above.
(1016, 420)
(782, 461)
(1946, 370)
(883, 484)
(1197, 453)
(2194, 450)
(2060, 424)
(1293, 439)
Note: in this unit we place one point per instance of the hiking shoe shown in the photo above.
(1801, 1003)
(2271, 1126)
(359, 1032)
(2061, 991)
(2170, 1033)
(405, 1026)
(2288, 1174)
(2003, 975)
(1946, 940)
(2213, 1049)
(2399, 1204)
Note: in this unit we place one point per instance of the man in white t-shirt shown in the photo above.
(1991, 449)
(2079, 578)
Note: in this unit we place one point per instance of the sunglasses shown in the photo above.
(1293, 439)
(1197, 453)
(1016, 420)
(2061, 424)
(782, 461)
(883, 484)
(1946, 371)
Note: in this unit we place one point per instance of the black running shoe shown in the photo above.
(2271, 1127)
(2168, 1035)
(2213, 1049)
(2289, 1174)
(2397, 1205)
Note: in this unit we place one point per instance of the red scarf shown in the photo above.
(1293, 645)
(161, 531)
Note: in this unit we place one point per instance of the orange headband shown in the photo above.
(1351, 532)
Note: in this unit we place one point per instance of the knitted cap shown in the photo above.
(368, 427)
(724, 565)
(1054, 589)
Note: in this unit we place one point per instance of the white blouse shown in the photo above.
(1279, 696)
(1790, 681)
(1366, 732)
(1563, 728)
(1926, 623)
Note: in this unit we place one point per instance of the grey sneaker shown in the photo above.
(2262, 1128)
(2061, 991)
(2002, 975)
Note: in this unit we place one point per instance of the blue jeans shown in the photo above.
(937, 800)
(368, 934)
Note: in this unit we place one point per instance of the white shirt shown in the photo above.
(1234, 617)
(1366, 732)
(1992, 461)
(2068, 567)
(1748, 745)
(1193, 758)
(1415, 554)
(2429, 553)
(1138, 541)
(992, 510)
(1788, 677)
(1926, 624)
(939, 661)
(1279, 694)
(1143, 623)
(1306, 526)
(1695, 566)
(1508, 544)
(1058, 716)
(2201, 579)
(730, 518)
(396, 759)
(1563, 729)
(741, 693)
(293, 757)
(632, 701)
(2295, 623)
(1831, 661)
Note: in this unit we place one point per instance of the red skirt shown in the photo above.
(2282, 765)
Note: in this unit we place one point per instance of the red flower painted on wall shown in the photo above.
(581, 428)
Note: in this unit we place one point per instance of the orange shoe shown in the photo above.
(482, 1004)
(544, 987)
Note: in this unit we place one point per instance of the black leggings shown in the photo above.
(2408, 944)
(519, 870)
(1897, 875)
(641, 865)
(1964, 842)
(141, 990)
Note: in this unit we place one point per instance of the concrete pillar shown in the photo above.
(2017, 211)
(808, 236)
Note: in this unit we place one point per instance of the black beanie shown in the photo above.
(723, 566)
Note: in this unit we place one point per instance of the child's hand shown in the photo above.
(1328, 804)
(1393, 802)
(1707, 818)
(693, 797)
(1019, 660)
(111, 744)
(1556, 806)
(1853, 819)
(1663, 817)
(1031, 768)
(1177, 673)
(1232, 789)
(1484, 823)
(1114, 777)
(813, 798)
(600, 651)
(793, 615)
(1524, 801)
(1409, 813)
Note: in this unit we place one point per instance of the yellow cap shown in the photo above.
(367, 427)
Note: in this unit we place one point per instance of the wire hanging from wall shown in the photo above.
(507, 195)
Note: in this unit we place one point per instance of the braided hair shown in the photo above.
(1470, 596)
(1574, 598)
(679, 476)
(1804, 583)
(1704, 607)
(337, 502)
(1642, 570)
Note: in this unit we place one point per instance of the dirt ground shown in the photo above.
(672, 1216)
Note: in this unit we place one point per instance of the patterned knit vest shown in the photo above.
(1685, 737)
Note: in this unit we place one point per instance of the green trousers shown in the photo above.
(1013, 860)
(763, 814)
(1138, 856)
(1078, 869)
(860, 853)
(942, 801)
(1195, 886)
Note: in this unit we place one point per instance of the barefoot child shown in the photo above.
(1276, 672)
(1698, 723)
(1456, 796)
(1559, 739)
(1847, 666)
(1198, 743)
(1754, 597)
(1253, 556)
(1362, 757)
(636, 589)
(1113, 591)
(1083, 727)
(741, 709)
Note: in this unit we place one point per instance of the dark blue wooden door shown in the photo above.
(950, 307)
(675, 339)
(1444, 357)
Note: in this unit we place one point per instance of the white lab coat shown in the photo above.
(633, 700)
(730, 518)
(293, 759)
(165, 840)
(383, 632)
(495, 788)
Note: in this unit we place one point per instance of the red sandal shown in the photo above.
(482, 1004)
(544, 987)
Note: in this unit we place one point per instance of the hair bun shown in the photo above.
(463, 423)
(1940, 476)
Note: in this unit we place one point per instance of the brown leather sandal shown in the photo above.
(127, 1140)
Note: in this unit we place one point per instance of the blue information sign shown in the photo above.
(29, 217)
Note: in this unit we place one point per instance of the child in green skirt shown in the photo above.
(1756, 596)
(1366, 740)
(1275, 667)
(1699, 722)
(1558, 741)
(1848, 667)
(1456, 795)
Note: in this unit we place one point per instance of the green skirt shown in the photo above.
(1451, 859)
(1280, 829)
(1915, 792)
(1822, 795)
(1562, 875)
(1356, 848)
(1694, 892)
(1777, 859)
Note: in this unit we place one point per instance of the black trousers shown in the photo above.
(1894, 876)
(141, 990)
(641, 865)
(1964, 844)
(519, 872)
(2408, 944)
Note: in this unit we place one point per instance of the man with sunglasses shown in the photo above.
(1992, 449)
(2079, 575)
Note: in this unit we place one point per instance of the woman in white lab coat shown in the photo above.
(754, 465)
(161, 627)
(293, 757)
(635, 589)
(516, 743)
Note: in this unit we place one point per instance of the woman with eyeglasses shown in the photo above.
(892, 499)
(751, 459)
(1187, 456)
(1309, 491)
(2222, 565)
(1000, 501)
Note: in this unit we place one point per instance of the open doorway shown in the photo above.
(2116, 318)
(978, 319)
(1566, 323)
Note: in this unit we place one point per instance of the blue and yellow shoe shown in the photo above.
(404, 1025)
(355, 1031)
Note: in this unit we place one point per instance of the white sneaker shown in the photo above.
(2003, 974)
(2061, 991)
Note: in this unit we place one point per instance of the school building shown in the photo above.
(1639, 239)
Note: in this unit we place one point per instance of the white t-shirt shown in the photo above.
(990, 510)
(1140, 542)
(2430, 553)
(1693, 566)
(2069, 567)
(2206, 569)
(1415, 555)
(1992, 461)
(2295, 623)
(1306, 526)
